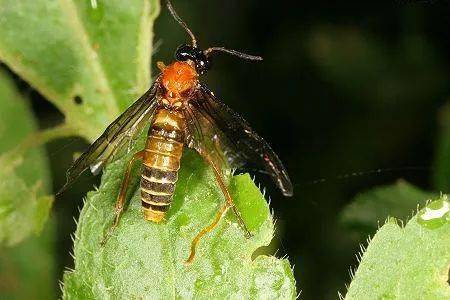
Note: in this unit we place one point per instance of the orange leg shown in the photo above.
(206, 230)
(229, 204)
(227, 195)
(123, 192)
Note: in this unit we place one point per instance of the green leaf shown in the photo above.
(407, 263)
(365, 212)
(97, 52)
(22, 211)
(24, 179)
(24, 207)
(27, 271)
(147, 260)
(89, 58)
(67, 50)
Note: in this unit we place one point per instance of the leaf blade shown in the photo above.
(49, 45)
(155, 253)
(402, 263)
(369, 208)
(24, 205)
(24, 178)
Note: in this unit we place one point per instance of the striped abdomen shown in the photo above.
(161, 164)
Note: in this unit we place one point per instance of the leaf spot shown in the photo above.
(78, 100)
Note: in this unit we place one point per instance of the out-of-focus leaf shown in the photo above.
(407, 263)
(370, 70)
(89, 58)
(442, 157)
(27, 270)
(400, 200)
(22, 211)
(147, 260)
(24, 207)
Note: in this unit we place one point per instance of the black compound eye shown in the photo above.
(202, 62)
(185, 52)
(202, 66)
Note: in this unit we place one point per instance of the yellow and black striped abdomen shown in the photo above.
(161, 164)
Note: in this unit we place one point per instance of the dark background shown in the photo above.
(348, 96)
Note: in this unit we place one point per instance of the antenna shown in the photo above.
(182, 23)
(233, 52)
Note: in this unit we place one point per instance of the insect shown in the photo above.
(182, 112)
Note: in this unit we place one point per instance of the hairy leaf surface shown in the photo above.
(399, 200)
(147, 260)
(410, 262)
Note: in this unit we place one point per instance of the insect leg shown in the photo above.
(227, 195)
(123, 189)
(229, 204)
(205, 230)
(123, 192)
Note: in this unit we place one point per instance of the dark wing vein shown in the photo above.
(221, 127)
(123, 129)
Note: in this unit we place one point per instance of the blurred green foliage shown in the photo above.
(369, 70)
(90, 62)
(24, 177)
(26, 270)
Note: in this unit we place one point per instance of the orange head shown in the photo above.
(178, 79)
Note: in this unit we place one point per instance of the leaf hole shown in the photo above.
(78, 100)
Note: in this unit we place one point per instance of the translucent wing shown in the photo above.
(207, 139)
(118, 133)
(215, 128)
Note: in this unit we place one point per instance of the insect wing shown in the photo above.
(215, 125)
(116, 135)
(204, 136)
